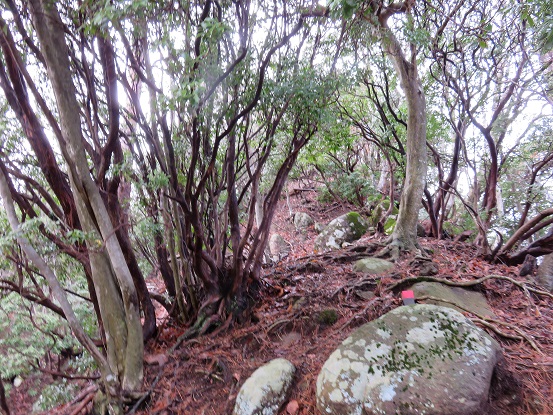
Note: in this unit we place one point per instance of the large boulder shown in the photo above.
(467, 300)
(420, 359)
(375, 266)
(346, 228)
(264, 392)
(544, 277)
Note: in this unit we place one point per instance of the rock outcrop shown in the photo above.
(467, 300)
(346, 228)
(420, 359)
(264, 392)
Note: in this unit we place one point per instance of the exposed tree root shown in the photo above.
(413, 280)
(352, 285)
(87, 399)
(278, 323)
(394, 248)
(363, 312)
(391, 251)
(487, 321)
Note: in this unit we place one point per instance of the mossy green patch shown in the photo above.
(358, 225)
(327, 317)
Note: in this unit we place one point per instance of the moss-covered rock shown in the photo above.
(346, 228)
(302, 221)
(327, 317)
(379, 210)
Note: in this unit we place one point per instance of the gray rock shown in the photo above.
(264, 392)
(372, 266)
(429, 268)
(346, 228)
(17, 381)
(469, 300)
(278, 247)
(544, 277)
(420, 359)
(528, 266)
(319, 227)
(302, 220)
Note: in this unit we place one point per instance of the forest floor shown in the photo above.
(203, 375)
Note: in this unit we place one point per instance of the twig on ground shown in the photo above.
(355, 284)
(277, 323)
(362, 312)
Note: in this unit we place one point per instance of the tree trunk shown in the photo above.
(113, 282)
(119, 219)
(4, 409)
(404, 236)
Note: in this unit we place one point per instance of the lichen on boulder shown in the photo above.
(421, 359)
(302, 221)
(346, 228)
(264, 392)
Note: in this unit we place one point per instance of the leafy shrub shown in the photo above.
(54, 395)
(353, 187)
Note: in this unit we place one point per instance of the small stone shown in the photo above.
(292, 407)
(264, 392)
(366, 295)
(17, 382)
(428, 268)
(374, 266)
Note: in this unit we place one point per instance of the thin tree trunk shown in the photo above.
(51, 279)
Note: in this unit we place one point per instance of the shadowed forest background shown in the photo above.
(149, 150)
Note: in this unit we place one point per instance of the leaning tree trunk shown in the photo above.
(110, 273)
